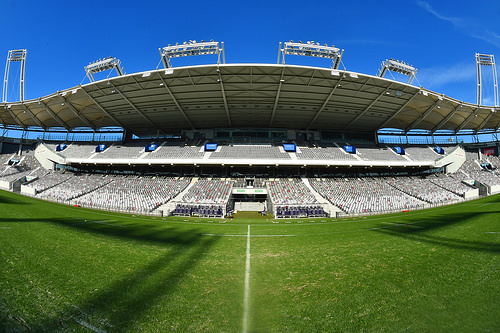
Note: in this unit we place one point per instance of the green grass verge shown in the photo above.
(70, 269)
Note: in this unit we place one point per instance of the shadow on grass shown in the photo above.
(420, 229)
(128, 300)
(12, 201)
(147, 233)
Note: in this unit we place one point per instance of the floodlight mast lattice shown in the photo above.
(102, 65)
(310, 49)
(486, 60)
(15, 55)
(191, 48)
(397, 66)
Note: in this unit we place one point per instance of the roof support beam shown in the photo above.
(35, 119)
(400, 109)
(102, 109)
(134, 107)
(467, 120)
(54, 115)
(325, 103)
(17, 120)
(445, 119)
(226, 107)
(483, 123)
(276, 99)
(75, 111)
(425, 114)
(368, 107)
(181, 110)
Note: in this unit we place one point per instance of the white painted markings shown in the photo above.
(247, 285)
(252, 236)
(89, 326)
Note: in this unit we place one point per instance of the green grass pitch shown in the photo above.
(67, 269)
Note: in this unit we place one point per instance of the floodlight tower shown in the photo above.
(486, 60)
(102, 65)
(311, 49)
(191, 48)
(397, 66)
(15, 55)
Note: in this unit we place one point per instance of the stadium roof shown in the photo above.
(248, 96)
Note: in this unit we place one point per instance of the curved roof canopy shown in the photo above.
(248, 96)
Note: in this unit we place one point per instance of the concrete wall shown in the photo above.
(471, 194)
(47, 157)
(453, 160)
(5, 185)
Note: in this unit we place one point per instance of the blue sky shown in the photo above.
(439, 38)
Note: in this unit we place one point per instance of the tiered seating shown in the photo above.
(474, 171)
(177, 152)
(78, 150)
(423, 189)
(266, 152)
(4, 159)
(209, 191)
(290, 191)
(364, 195)
(133, 193)
(75, 187)
(372, 153)
(323, 153)
(421, 153)
(451, 184)
(206, 198)
(49, 180)
(28, 165)
(129, 151)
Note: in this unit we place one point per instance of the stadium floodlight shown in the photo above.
(310, 49)
(102, 65)
(397, 66)
(486, 60)
(15, 55)
(191, 48)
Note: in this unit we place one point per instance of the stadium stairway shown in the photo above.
(170, 205)
(328, 206)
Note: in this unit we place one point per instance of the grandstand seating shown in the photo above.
(265, 152)
(365, 195)
(287, 197)
(133, 193)
(75, 186)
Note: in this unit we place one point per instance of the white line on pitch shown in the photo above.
(224, 235)
(247, 285)
(492, 232)
(5, 227)
(89, 326)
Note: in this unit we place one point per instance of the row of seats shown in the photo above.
(198, 210)
(364, 195)
(75, 186)
(423, 189)
(209, 191)
(134, 193)
(299, 211)
(290, 191)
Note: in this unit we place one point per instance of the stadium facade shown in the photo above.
(249, 126)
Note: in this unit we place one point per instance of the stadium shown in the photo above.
(271, 138)
(279, 147)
